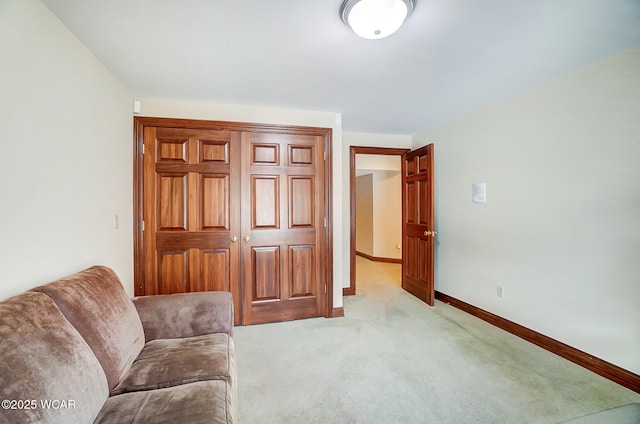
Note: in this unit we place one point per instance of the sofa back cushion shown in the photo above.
(96, 304)
(44, 359)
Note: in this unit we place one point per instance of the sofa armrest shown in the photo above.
(180, 315)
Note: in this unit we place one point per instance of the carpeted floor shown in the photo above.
(392, 359)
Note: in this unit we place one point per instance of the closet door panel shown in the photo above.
(282, 224)
(191, 212)
(265, 202)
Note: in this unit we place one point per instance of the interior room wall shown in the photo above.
(366, 161)
(387, 203)
(269, 115)
(387, 213)
(364, 214)
(67, 153)
(560, 230)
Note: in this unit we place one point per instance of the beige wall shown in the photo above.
(364, 214)
(386, 203)
(387, 213)
(67, 154)
(561, 226)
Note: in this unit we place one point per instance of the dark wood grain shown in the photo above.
(283, 280)
(337, 312)
(206, 147)
(418, 221)
(348, 291)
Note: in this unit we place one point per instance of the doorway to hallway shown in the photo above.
(388, 225)
(417, 247)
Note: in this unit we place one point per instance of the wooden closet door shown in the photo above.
(191, 211)
(282, 226)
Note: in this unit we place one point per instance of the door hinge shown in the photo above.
(143, 149)
(325, 288)
(142, 226)
(325, 222)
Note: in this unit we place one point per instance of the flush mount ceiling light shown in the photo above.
(375, 19)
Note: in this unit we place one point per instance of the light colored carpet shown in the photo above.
(628, 414)
(392, 359)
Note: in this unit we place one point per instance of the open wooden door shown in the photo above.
(418, 230)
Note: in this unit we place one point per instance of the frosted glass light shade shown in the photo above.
(375, 19)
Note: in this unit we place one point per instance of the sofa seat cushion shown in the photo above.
(201, 402)
(43, 358)
(171, 362)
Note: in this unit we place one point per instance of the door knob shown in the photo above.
(246, 239)
(427, 233)
(434, 233)
(234, 239)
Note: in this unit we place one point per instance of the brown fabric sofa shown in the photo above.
(79, 350)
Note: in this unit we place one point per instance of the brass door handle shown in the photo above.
(427, 233)
(234, 239)
(430, 233)
(246, 239)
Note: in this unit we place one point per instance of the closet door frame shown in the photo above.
(139, 124)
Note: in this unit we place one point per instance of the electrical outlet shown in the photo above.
(500, 291)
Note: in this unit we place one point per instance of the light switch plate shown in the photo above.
(479, 193)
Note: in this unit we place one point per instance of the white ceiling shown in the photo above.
(450, 58)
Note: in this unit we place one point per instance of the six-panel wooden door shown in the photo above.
(190, 212)
(239, 211)
(418, 227)
(282, 223)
